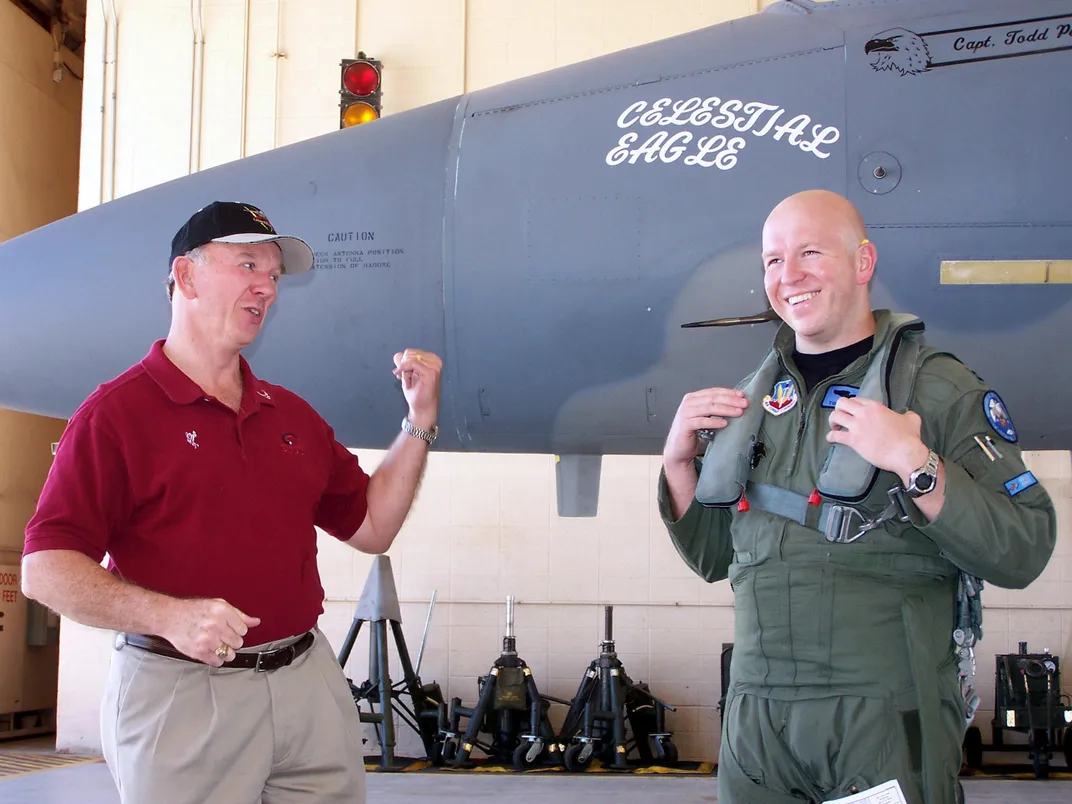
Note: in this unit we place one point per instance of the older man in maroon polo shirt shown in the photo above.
(204, 484)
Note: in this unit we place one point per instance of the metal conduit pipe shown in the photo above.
(197, 85)
(465, 47)
(243, 107)
(110, 65)
(277, 56)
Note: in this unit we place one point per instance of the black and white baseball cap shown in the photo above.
(234, 222)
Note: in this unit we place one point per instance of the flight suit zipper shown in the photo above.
(818, 392)
(803, 418)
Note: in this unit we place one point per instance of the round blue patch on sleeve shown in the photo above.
(999, 417)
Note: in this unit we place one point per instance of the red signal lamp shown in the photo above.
(360, 91)
(361, 78)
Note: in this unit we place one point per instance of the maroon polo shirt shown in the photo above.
(190, 499)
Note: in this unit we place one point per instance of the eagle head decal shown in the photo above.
(900, 50)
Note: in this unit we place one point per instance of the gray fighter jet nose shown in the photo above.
(582, 247)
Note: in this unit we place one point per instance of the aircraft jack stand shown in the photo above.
(379, 607)
(508, 698)
(596, 721)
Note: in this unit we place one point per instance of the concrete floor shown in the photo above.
(91, 784)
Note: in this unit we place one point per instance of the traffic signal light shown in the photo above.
(361, 85)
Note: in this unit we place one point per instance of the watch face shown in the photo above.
(924, 482)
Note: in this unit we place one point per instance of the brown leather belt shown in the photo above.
(260, 662)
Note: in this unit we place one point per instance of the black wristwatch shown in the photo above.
(923, 480)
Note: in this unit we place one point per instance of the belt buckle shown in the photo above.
(260, 657)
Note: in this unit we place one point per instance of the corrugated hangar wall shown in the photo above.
(485, 526)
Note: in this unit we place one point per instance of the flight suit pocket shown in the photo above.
(971, 457)
(756, 538)
(879, 743)
(741, 741)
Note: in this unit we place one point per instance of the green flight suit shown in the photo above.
(844, 671)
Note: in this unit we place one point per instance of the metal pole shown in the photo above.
(424, 636)
(387, 727)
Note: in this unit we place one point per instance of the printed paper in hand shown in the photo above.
(886, 793)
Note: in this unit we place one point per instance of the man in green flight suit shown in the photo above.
(846, 527)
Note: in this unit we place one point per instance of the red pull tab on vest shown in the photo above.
(815, 499)
(743, 504)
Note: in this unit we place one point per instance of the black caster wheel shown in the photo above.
(521, 760)
(437, 755)
(973, 747)
(449, 751)
(998, 737)
(1040, 753)
(1041, 766)
(573, 760)
(667, 755)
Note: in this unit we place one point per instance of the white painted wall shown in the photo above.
(484, 526)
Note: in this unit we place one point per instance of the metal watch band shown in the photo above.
(417, 432)
(930, 469)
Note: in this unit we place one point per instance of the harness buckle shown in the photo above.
(840, 520)
(839, 525)
(896, 509)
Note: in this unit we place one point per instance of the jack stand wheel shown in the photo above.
(449, 751)
(973, 747)
(437, 756)
(521, 757)
(573, 758)
(1040, 753)
(666, 753)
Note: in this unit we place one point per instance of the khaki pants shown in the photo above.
(177, 732)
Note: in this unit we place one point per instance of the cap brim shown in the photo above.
(297, 255)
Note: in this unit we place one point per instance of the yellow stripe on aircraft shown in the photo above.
(1006, 272)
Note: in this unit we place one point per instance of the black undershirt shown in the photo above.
(816, 368)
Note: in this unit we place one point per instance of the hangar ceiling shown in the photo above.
(69, 15)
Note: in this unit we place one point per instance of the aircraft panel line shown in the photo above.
(674, 77)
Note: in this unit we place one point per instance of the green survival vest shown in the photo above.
(846, 479)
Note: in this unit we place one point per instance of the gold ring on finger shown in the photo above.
(221, 651)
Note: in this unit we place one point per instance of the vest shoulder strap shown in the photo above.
(889, 379)
(727, 459)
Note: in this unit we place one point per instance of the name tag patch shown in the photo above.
(836, 392)
(1019, 483)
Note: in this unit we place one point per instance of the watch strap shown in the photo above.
(419, 432)
(930, 470)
